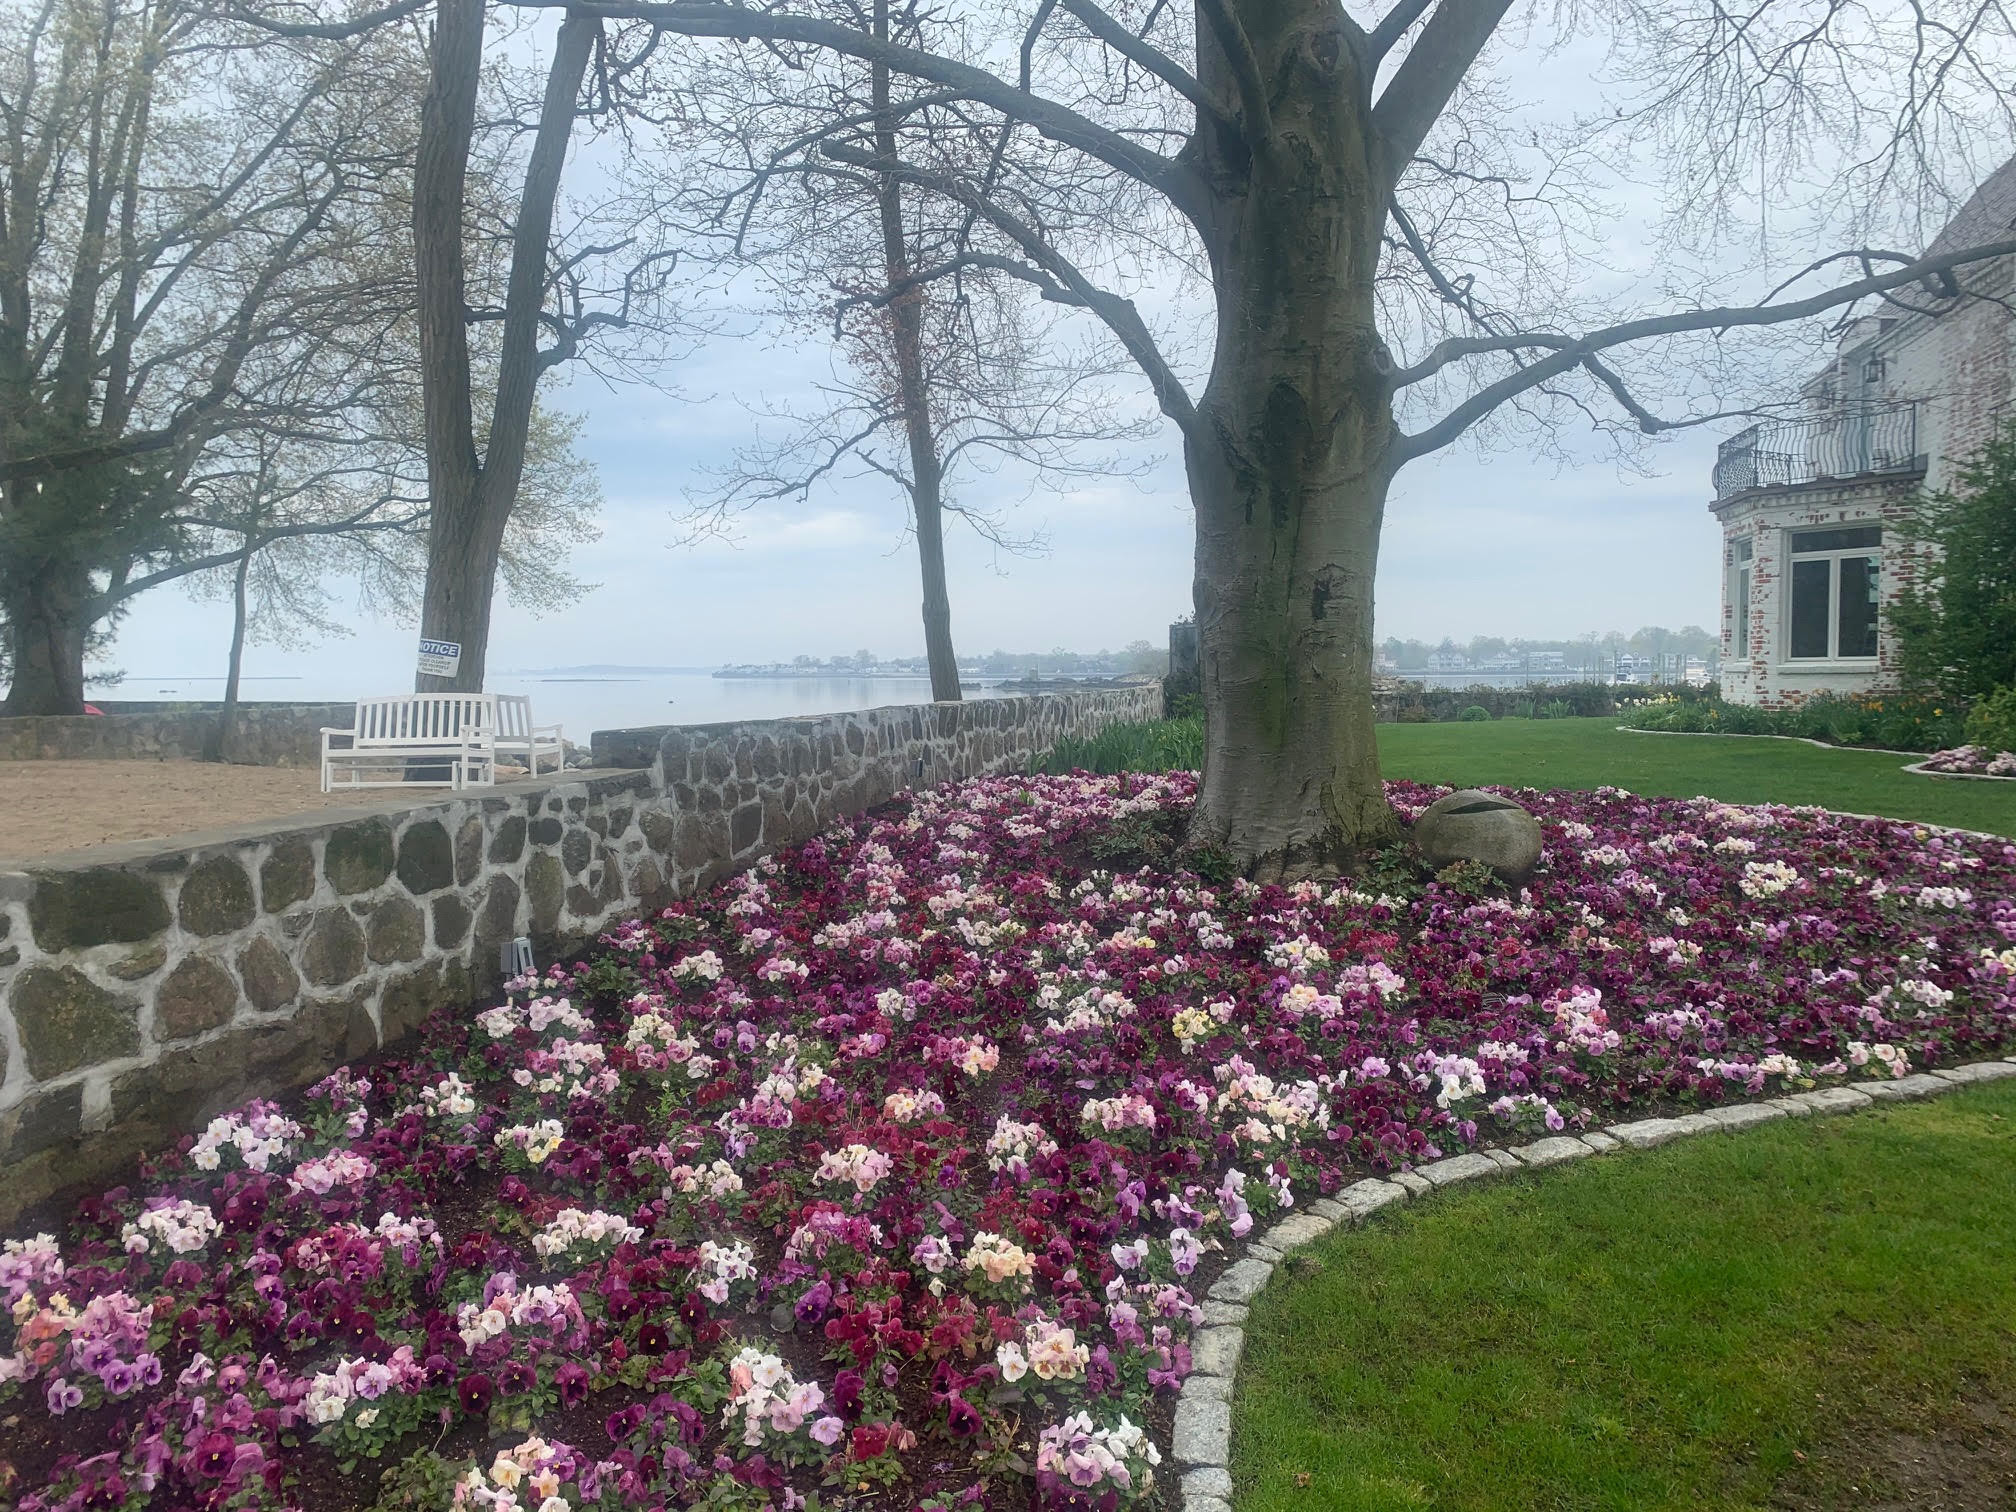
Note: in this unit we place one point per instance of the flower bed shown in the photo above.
(1968, 761)
(901, 1162)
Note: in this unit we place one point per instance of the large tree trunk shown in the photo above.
(464, 539)
(49, 621)
(1289, 461)
(227, 716)
(906, 330)
(470, 499)
(937, 598)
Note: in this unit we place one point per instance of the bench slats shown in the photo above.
(461, 733)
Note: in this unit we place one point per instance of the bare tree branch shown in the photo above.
(1256, 116)
(1429, 76)
(1566, 353)
(1146, 55)
(1119, 314)
(708, 18)
(1392, 27)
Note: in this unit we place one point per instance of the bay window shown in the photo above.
(1835, 581)
(1739, 598)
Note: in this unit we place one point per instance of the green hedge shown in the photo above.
(1419, 705)
(1891, 721)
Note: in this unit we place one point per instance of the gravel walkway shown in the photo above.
(48, 807)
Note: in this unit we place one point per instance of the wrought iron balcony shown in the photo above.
(1858, 442)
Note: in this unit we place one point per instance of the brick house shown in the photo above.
(1810, 505)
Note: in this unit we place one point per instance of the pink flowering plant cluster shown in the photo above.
(899, 1164)
(1972, 761)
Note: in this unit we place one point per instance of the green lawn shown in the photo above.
(1737, 1321)
(1586, 753)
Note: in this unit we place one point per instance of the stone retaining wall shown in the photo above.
(267, 734)
(147, 987)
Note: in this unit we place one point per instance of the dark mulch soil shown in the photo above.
(1961, 1459)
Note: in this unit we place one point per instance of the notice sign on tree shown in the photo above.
(440, 658)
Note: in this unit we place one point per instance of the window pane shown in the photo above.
(1845, 539)
(1809, 607)
(1743, 611)
(1860, 581)
(1743, 548)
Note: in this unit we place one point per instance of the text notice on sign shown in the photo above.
(439, 658)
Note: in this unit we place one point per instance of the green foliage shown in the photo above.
(1476, 714)
(1157, 745)
(1397, 871)
(421, 1482)
(1723, 1324)
(1958, 633)
(1885, 721)
(611, 977)
(1469, 879)
(1131, 842)
(1992, 723)
(1213, 863)
(1418, 705)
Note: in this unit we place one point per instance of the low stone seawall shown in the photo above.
(265, 734)
(147, 987)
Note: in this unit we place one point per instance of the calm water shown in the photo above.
(582, 705)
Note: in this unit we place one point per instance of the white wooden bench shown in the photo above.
(518, 736)
(447, 739)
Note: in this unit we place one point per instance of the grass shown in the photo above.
(1732, 1322)
(1588, 753)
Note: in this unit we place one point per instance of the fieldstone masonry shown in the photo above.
(264, 734)
(148, 987)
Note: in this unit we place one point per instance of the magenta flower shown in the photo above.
(476, 1393)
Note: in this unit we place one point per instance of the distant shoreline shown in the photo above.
(966, 679)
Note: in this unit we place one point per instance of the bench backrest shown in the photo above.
(421, 718)
(514, 716)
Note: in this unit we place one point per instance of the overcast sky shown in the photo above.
(1503, 546)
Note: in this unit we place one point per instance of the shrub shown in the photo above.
(1992, 724)
(1415, 704)
(1958, 633)
(1475, 713)
(1888, 721)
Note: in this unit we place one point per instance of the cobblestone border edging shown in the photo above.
(1822, 745)
(1919, 768)
(1202, 1443)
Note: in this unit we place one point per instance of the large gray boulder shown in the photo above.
(1473, 825)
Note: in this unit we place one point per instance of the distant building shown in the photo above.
(1810, 506)
(1448, 661)
(1546, 661)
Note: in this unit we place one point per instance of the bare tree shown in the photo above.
(942, 373)
(285, 525)
(1297, 148)
(189, 256)
(575, 296)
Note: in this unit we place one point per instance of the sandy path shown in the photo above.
(51, 806)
